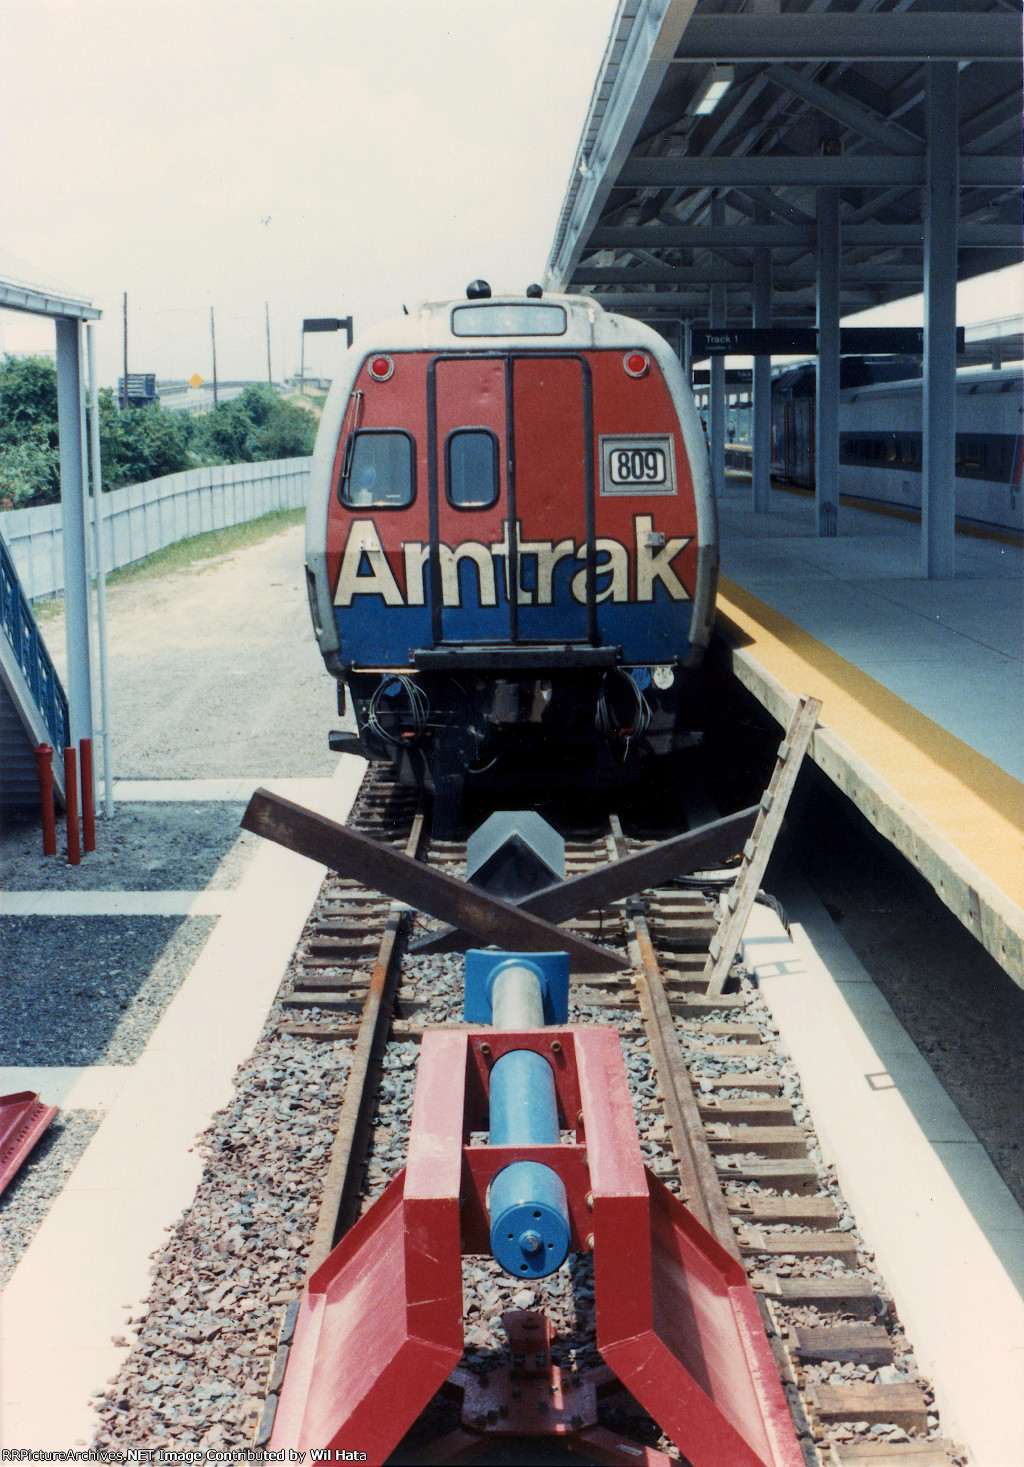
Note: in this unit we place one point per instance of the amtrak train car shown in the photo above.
(511, 544)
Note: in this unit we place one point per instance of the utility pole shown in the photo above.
(124, 394)
(213, 343)
(270, 375)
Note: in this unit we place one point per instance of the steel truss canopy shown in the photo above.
(717, 128)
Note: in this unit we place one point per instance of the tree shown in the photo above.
(28, 399)
(29, 458)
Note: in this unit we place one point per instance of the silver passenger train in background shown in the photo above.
(880, 439)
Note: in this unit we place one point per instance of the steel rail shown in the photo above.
(701, 1190)
(340, 1199)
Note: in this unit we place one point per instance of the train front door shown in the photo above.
(511, 480)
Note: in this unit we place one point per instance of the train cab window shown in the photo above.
(380, 470)
(471, 463)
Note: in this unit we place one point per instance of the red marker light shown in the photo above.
(636, 363)
(381, 368)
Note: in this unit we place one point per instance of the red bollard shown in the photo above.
(88, 804)
(71, 806)
(44, 768)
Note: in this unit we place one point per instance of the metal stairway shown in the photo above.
(33, 705)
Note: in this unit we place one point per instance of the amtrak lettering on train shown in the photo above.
(622, 574)
(511, 545)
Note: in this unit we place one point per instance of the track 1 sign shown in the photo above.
(754, 341)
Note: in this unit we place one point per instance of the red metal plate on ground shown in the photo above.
(23, 1119)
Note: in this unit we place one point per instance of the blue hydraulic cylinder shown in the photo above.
(527, 1203)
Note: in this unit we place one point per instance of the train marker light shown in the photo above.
(381, 368)
(636, 363)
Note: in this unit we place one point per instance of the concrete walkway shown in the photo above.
(947, 1234)
(87, 1269)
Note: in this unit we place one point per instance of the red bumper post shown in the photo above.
(88, 802)
(379, 1330)
(44, 769)
(71, 806)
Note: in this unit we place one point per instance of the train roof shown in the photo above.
(801, 380)
(890, 375)
(541, 321)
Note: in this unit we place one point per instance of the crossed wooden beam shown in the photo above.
(528, 925)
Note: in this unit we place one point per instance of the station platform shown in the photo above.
(921, 684)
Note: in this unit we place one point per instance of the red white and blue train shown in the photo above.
(511, 541)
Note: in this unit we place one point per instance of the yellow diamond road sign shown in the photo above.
(195, 380)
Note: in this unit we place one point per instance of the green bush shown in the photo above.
(255, 425)
(142, 443)
(139, 443)
(29, 473)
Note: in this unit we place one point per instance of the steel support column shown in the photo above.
(716, 409)
(941, 208)
(761, 434)
(826, 413)
(72, 499)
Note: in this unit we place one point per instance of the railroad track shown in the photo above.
(718, 1112)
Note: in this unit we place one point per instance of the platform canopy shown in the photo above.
(714, 124)
(27, 290)
(786, 163)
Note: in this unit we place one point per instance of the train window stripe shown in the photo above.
(988, 457)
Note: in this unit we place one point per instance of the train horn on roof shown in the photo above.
(478, 290)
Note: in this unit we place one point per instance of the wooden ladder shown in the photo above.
(740, 898)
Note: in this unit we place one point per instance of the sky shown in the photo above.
(306, 157)
(325, 157)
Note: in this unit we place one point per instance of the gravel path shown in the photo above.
(214, 669)
(145, 847)
(96, 997)
(958, 1006)
(30, 1196)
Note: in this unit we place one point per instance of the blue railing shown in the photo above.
(20, 628)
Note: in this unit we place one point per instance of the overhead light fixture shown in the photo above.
(714, 87)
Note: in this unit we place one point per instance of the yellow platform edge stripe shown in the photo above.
(973, 803)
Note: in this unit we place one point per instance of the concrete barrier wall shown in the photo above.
(143, 518)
